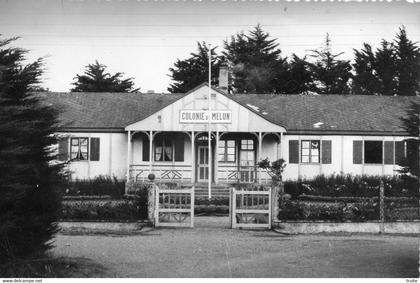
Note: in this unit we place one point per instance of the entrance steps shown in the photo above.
(217, 191)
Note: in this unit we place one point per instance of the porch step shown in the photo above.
(216, 192)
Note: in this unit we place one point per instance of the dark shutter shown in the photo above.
(326, 152)
(389, 152)
(399, 152)
(293, 151)
(357, 152)
(146, 150)
(63, 149)
(94, 149)
(179, 147)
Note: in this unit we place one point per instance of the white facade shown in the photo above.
(121, 153)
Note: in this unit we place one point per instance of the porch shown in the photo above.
(184, 157)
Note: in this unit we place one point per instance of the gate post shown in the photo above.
(276, 190)
(151, 195)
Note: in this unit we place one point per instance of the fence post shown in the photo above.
(381, 208)
(275, 197)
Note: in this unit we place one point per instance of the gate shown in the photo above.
(174, 206)
(250, 208)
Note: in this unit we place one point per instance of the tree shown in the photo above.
(411, 124)
(407, 64)
(255, 62)
(96, 79)
(393, 69)
(297, 78)
(331, 76)
(193, 71)
(365, 81)
(29, 181)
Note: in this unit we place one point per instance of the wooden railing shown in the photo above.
(183, 173)
(174, 206)
(162, 172)
(250, 208)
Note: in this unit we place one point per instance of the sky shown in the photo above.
(143, 38)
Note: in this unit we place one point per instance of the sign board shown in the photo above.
(201, 116)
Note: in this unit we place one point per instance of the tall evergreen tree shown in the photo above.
(407, 64)
(365, 81)
(255, 62)
(386, 69)
(194, 70)
(331, 76)
(29, 198)
(96, 79)
(298, 76)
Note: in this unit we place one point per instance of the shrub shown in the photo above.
(352, 186)
(99, 186)
(339, 212)
(102, 210)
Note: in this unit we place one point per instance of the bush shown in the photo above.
(133, 206)
(338, 212)
(102, 210)
(353, 186)
(99, 186)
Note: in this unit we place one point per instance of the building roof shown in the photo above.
(297, 113)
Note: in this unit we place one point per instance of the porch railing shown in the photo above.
(183, 173)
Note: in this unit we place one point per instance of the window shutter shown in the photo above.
(326, 152)
(179, 147)
(389, 152)
(94, 149)
(399, 153)
(357, 152)
(145, 148)
(293, 151)
(63, 149)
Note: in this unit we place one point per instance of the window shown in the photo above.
(373, 152)
(79, 149)
(310, 151)
(247, 154)
(227, 151)
(163, 149)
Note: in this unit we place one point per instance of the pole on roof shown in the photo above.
(209, 123)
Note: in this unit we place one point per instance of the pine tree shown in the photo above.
(29, 181)
(298, 76)
(407, 64)
(385, 68)
(365, 81)
(194, 70)
(331, 76)
(96, 79)
(255, 62)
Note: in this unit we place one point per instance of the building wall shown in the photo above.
(341, 157)
(112, 157)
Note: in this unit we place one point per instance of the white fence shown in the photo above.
(174, 206)
(250, 208)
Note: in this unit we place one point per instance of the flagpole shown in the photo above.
(209, 123)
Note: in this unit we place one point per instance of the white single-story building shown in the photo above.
(129, 135)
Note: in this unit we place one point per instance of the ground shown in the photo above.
(211, 251)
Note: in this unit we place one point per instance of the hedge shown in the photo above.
(99, 186)
(132, 206)
(347, 185)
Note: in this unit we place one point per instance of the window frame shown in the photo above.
(382, 153)
(79, 149)
(163, 140)
(310, 155)
(224, 154)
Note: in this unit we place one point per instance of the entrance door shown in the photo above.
(203, 163)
